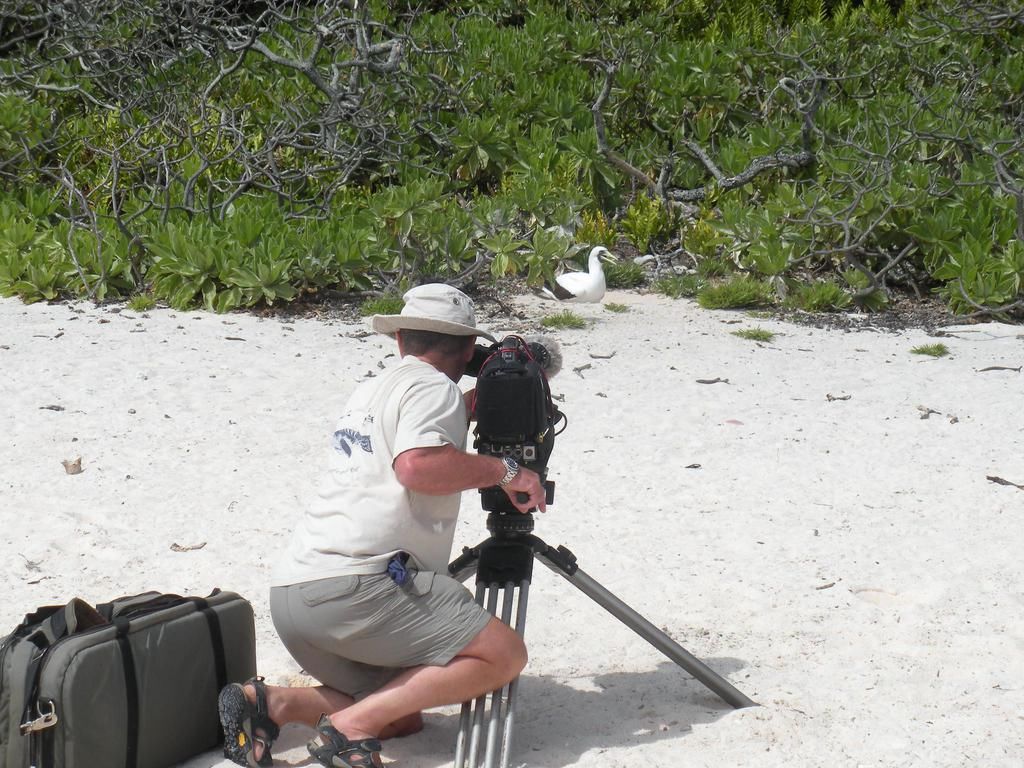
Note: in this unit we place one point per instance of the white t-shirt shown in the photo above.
(362, 515)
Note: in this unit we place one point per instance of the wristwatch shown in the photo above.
(511, 470)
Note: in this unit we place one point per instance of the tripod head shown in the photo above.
(515, 417)
(509, 525)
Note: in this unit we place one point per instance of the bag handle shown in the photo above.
(147, 602)
(43, 628)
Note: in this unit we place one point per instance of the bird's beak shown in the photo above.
(610, 257)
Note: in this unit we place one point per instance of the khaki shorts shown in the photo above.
(355, 633)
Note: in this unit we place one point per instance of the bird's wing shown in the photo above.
(583, 286)
(558, 291)
(576, 282)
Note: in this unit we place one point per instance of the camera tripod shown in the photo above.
(503, 564)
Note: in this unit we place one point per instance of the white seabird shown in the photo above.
(586, 286)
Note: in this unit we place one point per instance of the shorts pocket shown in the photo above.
(421, 583)
(320, 591)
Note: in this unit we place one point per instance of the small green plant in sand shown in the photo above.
(932, 350)
(382, 305)
(736, 293)
(564, 319)
(755, 334)
(141, 303)
(678, 286)
(612, 306)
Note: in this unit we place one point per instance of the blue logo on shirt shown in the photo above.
(343, 439)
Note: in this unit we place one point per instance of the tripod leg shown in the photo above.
(491, 751)
(462, 740)
(480, 704)
(501, 717)
(556, 561)
(513, 687)
(507, 562)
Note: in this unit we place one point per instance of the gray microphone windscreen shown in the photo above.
(553, 352)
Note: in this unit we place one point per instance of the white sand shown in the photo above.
(843, 561)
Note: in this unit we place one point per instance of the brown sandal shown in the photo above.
(339, 752)
(246, 725)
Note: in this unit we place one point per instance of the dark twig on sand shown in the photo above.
(1001, 481)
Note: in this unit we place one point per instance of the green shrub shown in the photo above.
(200, 263)
(979, 275)
(612, 306)
(871, 301)
(506, 252)
(678, 286)
(715, 266)
(481, 152)
(819, 296)
(624, 274)
(736, 293)
(500, 167)
(32, 276)
(702, 239)
(596, 229)
(548, 249)
(646, 220)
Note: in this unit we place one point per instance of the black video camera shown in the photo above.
(515, 415)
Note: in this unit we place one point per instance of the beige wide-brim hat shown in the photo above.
(433, 307)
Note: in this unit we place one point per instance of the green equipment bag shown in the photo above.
(132, 683)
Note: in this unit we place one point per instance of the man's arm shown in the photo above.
(441, 470)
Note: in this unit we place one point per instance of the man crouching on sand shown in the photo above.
(362, 599)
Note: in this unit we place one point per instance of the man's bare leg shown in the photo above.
(305, 705)
(490, 660)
